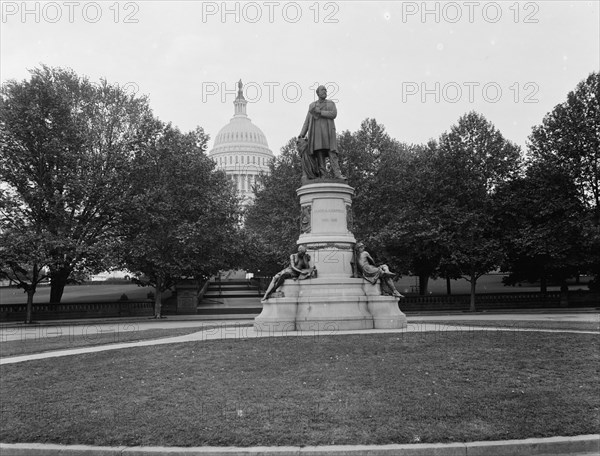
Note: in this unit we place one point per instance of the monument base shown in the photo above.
(329, 305)
(335, 300)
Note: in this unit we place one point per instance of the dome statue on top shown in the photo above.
(241, 149)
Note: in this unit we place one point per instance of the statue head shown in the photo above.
(322, 92)
(301, 249)
(359, 246)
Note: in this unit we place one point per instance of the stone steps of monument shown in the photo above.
(230, 288)
(246, 304)
(229, 310)
(231, 294)
(230, 282)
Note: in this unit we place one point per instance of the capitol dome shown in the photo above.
(238, 130)
(241, 149)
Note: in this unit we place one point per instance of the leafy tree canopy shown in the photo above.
(183, 218)
(66, 148)
(569, 139)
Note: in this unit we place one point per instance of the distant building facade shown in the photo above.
(241, 149)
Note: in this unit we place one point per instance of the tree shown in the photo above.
(542, 236)
(24, 258)
(23, 262)
(67, 161)
(361, 153)
(475, 159)
(568, 143)
(569, 140)
(412, 236)
(183, 215)
(272, 222)
(399, 208)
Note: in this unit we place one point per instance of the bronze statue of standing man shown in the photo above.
(319, 128)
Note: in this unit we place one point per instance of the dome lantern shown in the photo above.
(240, 102)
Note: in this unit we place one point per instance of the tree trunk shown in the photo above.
(473, 285)
(448, 286)
(29, 308)
(423, 282)
(157, 301)
(544, 285)
(564, 293)
(58, 280)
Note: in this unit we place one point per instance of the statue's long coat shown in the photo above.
(321, 131)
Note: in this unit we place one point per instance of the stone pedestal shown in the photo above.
(334, 300)
(328, 238)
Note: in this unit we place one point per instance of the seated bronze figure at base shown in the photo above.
(299, 269)
(371, 273)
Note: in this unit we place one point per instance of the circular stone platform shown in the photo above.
(329, 304)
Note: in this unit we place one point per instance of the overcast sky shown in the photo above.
(416, 67)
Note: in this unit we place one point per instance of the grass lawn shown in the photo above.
(110, 292)
(358, 389)
(38, 345)
(488, 283)
(523, 324)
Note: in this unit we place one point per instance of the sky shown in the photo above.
(415, 67)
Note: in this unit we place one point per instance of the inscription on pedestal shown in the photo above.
(329, 216)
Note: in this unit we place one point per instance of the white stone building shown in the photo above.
(241, 149)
